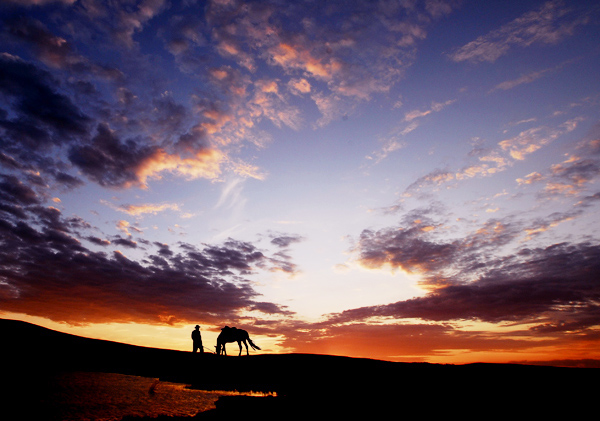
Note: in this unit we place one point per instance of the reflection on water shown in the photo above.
(109, 397)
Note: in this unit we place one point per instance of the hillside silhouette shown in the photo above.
(305, 384)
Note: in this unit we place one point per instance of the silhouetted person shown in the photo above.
(197, 339)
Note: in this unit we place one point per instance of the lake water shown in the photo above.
(83, 396)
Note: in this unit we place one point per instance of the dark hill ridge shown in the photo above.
(305, 382)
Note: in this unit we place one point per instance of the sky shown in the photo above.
(396, 179)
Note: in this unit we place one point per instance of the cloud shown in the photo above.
(268, 102)
(433, 179)
(421, 244)
(155, 132)
(528, 78)
(13, 191)
(118, 23)
(39, 2)
(530, 178)
(435, 107)
(577, 172)
(491, 162)
(125, 242)
(469, 280)
(531, 140)
(364, 54)
(121, 134)
(281, 260)
(113, 163)
(123, 225)
(572, 176)
(539, 226)
(391, 145)
(299, 86)
(49, 115)
(55, 51)
(549, 24)
(47, 272)
(137, 210)
(394, 141)
(232, 194)
(298, 57)
(285, 240)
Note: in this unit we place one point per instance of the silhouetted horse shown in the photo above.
(233, 334)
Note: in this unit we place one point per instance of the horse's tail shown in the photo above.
(253, 345)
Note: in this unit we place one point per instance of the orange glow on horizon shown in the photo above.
(400, 349)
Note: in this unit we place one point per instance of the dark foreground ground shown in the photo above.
(306, 385)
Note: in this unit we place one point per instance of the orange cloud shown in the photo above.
(203, 164)
(530, 178)
(289, 56)
(136, 210)
(301, 86)
(531, 140)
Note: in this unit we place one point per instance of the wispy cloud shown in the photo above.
(551, 23)
(572, 176)
(435, 107)
(395, 140)
(528, 78)
(491, 162)
(136, 210)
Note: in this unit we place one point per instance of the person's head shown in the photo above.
(197, 327)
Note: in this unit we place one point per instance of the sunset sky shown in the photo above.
(396, 179)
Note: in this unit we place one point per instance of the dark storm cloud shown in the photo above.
(111, 142)
(108, 161)
(184, 38)
(417, 245)
(13, 190)
(97, 241)
(406, 249)
(36, 102)
(67, 180)
(62, 97)
(234, 254)
(551, 286)
(164, 249)
(117, 23)
(270, 308)
(46, 271)
(125, 242)
(15, 196)
(53, 50)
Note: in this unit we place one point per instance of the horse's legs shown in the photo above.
(240, 345)
(246, 343)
